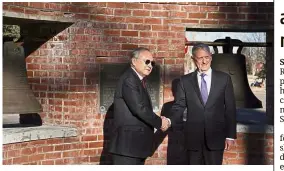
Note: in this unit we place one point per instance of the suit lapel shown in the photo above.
(212, 88)
(194, 82)
(144, 89)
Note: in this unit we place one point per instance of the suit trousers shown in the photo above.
(205, 156)
(126, 160)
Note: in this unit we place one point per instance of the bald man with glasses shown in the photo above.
(131, 141)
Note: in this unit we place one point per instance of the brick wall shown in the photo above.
(64, 74)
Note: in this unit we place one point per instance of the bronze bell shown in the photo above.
(18, 98)
(235, 65)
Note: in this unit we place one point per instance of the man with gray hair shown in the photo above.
(134, 120)
(211, 111)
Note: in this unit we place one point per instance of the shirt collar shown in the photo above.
(140, 77)
(208, 72)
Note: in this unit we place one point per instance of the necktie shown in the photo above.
(204, 91)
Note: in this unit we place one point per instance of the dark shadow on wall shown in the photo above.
(24, 120)
(176, 153)
(105, 158)
(35, 33)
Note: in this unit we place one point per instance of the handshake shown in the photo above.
(166, 123)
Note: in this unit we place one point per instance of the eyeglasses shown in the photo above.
(147, 62)
(202, 58)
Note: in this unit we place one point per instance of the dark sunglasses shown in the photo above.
(147, 62)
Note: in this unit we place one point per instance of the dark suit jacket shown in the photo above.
(134, 119)
(212, 122)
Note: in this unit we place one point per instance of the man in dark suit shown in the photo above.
(211, 111)
(134, 120)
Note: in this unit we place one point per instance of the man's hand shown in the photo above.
(228, 144)
(165, 123)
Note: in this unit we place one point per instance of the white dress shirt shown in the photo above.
(140, 77)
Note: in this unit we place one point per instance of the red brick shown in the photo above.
(160, 27)
(106, 11)
(133, 20)
(60, 162)
(178, 14)
(37, 4)
(71, 139)
(230, 155)
(129, 33)
(31, 11)
(172, 21)
(172, 7)
(141, 13)
(216, 16)
(128, 46)
(40, 74)
(13, 153)
(54, 6)
(159, 13)
(20, 160)
(115, 4)
(190, 21)
(197, 15)
(269, 149)
(54, 141)
(209, 9)
(133, 5)
(70, 153)
(211, 3)
(116, 19)
(17, 9)
(153, 7)
(55, 74)
(98, 17)
(146, 34)
(95, 144)
(169, 61)
(82, 16)
(5, 8)
(142, 27)
(24, 4)
(177, 28)
(55, 155)
(8, 3)
(190, 8)
(47, 162)
(89, 138)
(30, 74)
(47, 67)
(80, 3)
(7, 162)
(209, 22)
(34, 80)
(152, 21)
(36, 157)
(269, 136)
(123, 12)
